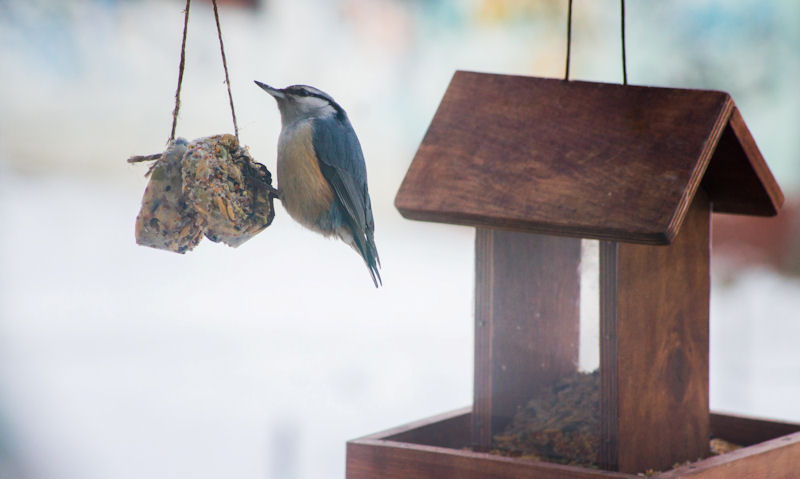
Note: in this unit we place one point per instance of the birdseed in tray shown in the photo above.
(562, 425)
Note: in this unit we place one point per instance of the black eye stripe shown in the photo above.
(299, 91)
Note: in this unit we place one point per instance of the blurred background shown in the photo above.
(119, 361)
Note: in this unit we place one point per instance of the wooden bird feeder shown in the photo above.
(536, 165)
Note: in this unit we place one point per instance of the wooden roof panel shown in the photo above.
(738, 178)
(570, 158)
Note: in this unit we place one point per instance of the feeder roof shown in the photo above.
(574, 158)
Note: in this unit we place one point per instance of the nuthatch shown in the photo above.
(322, 177)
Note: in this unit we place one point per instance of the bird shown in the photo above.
(322, 177)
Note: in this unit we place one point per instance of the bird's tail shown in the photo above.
(365, 245)
(373, 261)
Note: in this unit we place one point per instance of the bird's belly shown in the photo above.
(305, 192)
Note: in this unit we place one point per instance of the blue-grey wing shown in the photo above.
(342, 164)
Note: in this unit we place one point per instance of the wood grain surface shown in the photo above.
(738, 173)
(452, 430)
(746, 431)
(374, 459)
(654, 355)
(774, 459)
(414, 451)
(527, 320)
(609, 365)
(574, 158)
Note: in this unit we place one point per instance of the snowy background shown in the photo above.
(118, 361)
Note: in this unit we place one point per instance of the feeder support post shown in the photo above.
(654, 303)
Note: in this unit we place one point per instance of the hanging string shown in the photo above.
(225, 67)
(183, 64)
(569, 39)
(622, 26)
(180, 72)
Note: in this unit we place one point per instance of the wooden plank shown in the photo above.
(747, 431)
(655, 358)
(482, 385)
(607, 456)
(584, 159)
(450, 430)
(375, 459)
(406, 452)
(527, 320)
(738, 179)
(774, 459)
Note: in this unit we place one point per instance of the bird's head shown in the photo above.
(299, 102)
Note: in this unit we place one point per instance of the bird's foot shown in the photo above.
(275, 192)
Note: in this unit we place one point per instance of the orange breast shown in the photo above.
(306, 194)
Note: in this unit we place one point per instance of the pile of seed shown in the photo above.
(559, 425)
(562, 425)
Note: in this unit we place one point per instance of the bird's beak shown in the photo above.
(275, 92)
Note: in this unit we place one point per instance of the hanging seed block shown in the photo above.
(210, 186)
(165, 221)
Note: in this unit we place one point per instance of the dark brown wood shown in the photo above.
(747, 431)
(654, 367)
(594, 160)
(446, 430)
(774, 459)
(385, 456)
(609, 404)
(372, 459)
(527, 320)
(515, 156)
(482, 384)
(413, 451)
(738, 178)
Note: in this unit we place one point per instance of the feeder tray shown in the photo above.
(209, 187)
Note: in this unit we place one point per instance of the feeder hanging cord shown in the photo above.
(622, 28)
(622, 34)
(182, 64)
(225, 67)
(569, 39)
(180, 72)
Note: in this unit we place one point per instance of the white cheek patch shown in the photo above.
(305, 107)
